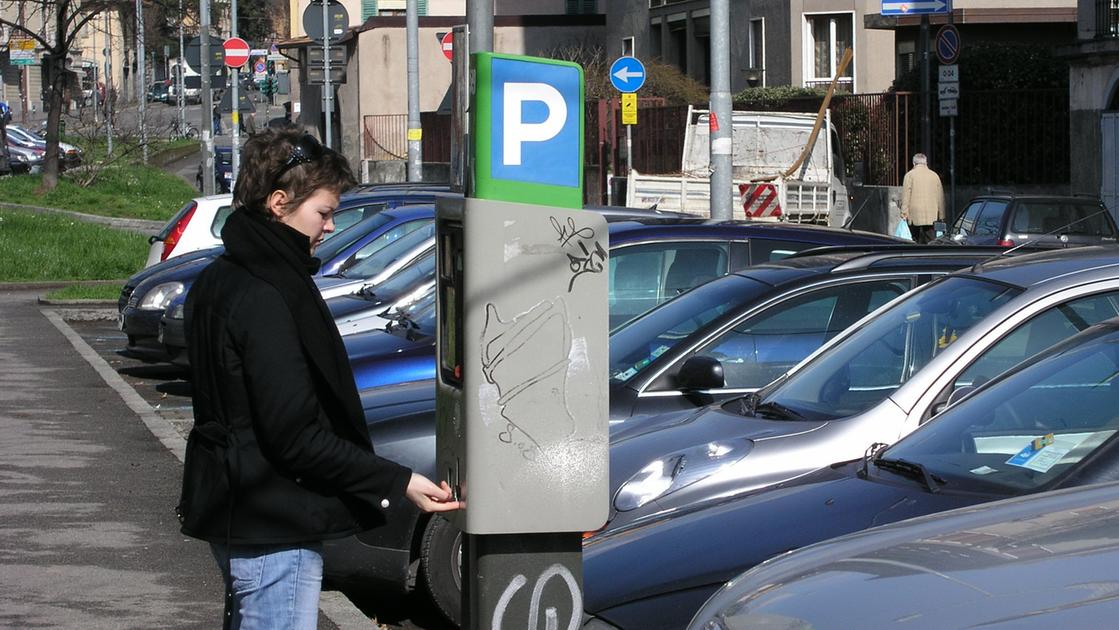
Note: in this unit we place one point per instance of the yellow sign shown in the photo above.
(415, 134)
(629, 108)
(22, 44)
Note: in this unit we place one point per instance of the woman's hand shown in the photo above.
(429, 497)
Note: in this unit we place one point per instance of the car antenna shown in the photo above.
(1035, 241)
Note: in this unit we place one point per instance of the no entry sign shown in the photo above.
(447, 44)
(236, 52)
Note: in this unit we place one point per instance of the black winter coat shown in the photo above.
(279, 452)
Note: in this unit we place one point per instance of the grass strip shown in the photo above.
(43, 247)
(87, 292)
(132, 191)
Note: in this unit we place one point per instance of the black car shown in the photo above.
(1009, 220)
(1048, 423)
(735, 334)
(223, 171)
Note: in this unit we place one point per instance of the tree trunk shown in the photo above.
(55, 93)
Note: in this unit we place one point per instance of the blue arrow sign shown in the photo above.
(917, 7)
(627, 74)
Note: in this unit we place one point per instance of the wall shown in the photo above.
(874, 49)
(1091, 89)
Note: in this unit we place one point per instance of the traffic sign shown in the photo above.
(447, 42)
(949, 73)
(315, 75)
(194, 55)
(629, 108)
(949, 90)
(236, 52)
(22, 52)
(274, 53)
(627, 74)
(337, 20)
(915, 7)
(948, 44)
(337, 55)
(948, 108)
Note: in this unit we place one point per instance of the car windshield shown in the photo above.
(1027, 428)
(1062, 217)
(391, 253)
(639, 342)
(866, 367)
(331, 248)
(415, 274)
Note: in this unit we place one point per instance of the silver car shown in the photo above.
(874, 383)
(1043, 561)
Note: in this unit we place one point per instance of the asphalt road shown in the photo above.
(165, 389)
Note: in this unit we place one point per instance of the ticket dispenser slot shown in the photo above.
(521, 412)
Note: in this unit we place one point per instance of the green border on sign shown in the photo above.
(485, 185)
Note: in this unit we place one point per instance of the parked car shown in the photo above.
(145, 301)
(197, 225)
(1016, 561)
(651, 260)
(160, 92)
(398, 250)
(874, 383)
(1008, 220)
(23, 160)
(223, 171)
(736, 334)
(68, 154)
(1049, 423)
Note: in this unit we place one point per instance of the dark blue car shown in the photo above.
(1048, 423)
(149, 298)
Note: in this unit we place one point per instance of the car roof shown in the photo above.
(679, 227)
(1057, 268)
(1092, 199)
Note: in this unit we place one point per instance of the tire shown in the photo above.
(191, 133)
(441, 566)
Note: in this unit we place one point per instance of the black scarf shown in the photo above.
(280, 256)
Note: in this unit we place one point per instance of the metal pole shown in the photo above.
(235, 101)
(952, 169)
(180, 86)
(327, 88)
(415, 131)
(207, 121)
(479, 22)
(141, 78)
(108, 84)
(721, 121)
(96, 97)
(926, 121)
(629, 150)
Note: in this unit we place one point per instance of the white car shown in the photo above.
(197, 225)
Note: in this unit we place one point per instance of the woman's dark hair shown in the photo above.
(271, 161)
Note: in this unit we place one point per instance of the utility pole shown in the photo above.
(207, 124)
(721, 121)
(180, 85)
(140, 77)
(479, 23)
(415, 131)
(327, 86)
(108, 82)
(926, 122)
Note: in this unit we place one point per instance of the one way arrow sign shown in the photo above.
(916, 7)
(627, 74)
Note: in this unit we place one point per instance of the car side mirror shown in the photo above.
(958, 394)
(700, 372)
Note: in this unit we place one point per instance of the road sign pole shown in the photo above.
(328, 90)
(142, 74)
(722, 144)
(415, 131)
(235, 102)
(926, 122)
(206, 119)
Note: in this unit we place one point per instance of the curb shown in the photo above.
(141, 226)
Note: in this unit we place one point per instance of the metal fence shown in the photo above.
(385, 137)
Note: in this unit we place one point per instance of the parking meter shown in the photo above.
(522, 344)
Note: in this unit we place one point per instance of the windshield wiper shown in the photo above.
(912, 470)
(366, 292)
(777, 410)
(748, 404)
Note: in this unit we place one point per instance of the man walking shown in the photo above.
(922, 199)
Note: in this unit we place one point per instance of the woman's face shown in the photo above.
(314, 217)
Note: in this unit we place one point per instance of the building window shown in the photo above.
(627, 47)
(756, 71)
(582, 6)
(368, 9)
(390, 7)
(826, 37)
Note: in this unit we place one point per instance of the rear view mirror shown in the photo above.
(700, 372)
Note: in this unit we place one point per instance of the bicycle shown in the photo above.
(188, 131)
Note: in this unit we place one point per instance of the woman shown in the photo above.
(279, 458)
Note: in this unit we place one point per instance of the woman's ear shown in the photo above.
(276, 204)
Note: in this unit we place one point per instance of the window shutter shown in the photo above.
(422, 7)
(368, 9)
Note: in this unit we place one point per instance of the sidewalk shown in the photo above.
(89, 538)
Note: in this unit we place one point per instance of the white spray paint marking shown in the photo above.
(551, 616)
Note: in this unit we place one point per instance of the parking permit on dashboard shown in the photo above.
(1042, 453)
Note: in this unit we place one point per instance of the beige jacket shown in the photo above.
(922, 196)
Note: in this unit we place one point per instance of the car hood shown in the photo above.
(1050, 555)
(703, 548)
(379, 358)
(187, 258)
(346, 306)
(186, 273)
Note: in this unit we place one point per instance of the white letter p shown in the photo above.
(516, 131)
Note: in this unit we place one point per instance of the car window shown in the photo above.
(763, 250)
(1047, 328)
(990, 219)
(643, 276)
(869, 365)
(389, 248)
(965, 225)
(1037, 217)
(765, 346)
(1025, 430)
(382, 241)
(345, 238)
(220, 217)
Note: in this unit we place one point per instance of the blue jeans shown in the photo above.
(274, 586)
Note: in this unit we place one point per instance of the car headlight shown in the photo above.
(176, 311)
(19, 157)
(161, 295)
(670, 473)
